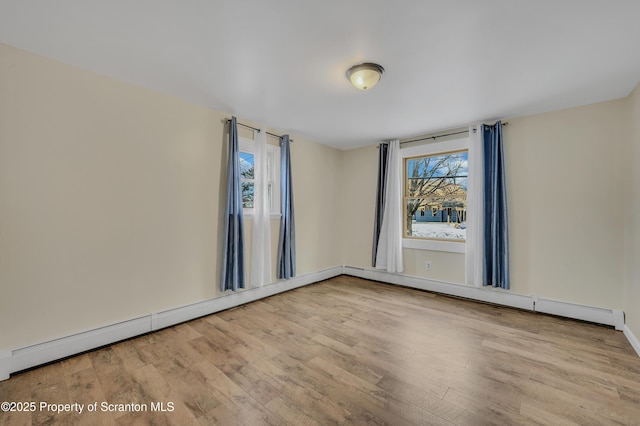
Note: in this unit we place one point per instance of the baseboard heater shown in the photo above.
(42, 353)
(612, 317)
(45, 352)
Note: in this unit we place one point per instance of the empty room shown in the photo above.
(339, 212)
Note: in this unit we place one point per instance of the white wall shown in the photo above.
(565, 182)
(110, 201)
(316, 187)
(632, 231)
(358, 198)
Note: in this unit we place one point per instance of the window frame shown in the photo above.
(243, 180)
(434, 148)
(246, 145)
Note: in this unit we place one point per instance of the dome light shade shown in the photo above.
(365, 76)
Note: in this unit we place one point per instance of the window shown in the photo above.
(435, 179)
(248, 174)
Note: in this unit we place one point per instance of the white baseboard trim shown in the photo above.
(580, 312)
(42, 353)
(52, 350)
(196, 310)
(612, 317)
(5, 364)
(632, 338)
(491, 295)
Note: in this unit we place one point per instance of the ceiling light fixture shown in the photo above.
(365, 76)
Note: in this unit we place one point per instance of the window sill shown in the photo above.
(273, 216)
(447, 246)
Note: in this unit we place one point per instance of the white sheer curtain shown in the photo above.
(261, 240)
(474, 246)
(389, 254)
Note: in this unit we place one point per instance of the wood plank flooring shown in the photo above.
(348, 351)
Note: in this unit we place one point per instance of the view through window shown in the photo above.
(435, 196)
(247, 173)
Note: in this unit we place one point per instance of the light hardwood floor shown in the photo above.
(349, 351)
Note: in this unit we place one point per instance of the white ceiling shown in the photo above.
(283, 62)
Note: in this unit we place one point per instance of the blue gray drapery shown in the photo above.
(383, 154)
(233, 260)
(287, 240)
(496, 235)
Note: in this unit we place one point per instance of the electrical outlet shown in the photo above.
(428, 265)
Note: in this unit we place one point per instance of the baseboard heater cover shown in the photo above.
(42, 353)
(5, 364)
(605, 316)
(581, 312)
(200, 309)
(499, 297)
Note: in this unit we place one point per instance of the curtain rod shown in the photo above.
(442, 136)
(226, 120)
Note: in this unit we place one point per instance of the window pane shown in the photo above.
(436, 185)
(440, 174)
(446, 219)
(247, 195)
(246, 165)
